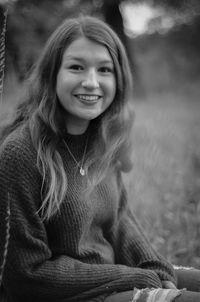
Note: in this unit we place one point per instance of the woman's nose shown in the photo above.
(91, 80)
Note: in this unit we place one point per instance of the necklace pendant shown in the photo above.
(82, 171)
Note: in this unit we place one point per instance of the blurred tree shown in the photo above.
(110, 11)
(183, 5)
(112, 15)
(31, 22)
(185, 37)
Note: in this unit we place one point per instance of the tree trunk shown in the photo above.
(113, 17)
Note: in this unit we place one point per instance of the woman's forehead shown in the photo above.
(83, 48)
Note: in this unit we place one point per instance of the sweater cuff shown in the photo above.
(147, 278)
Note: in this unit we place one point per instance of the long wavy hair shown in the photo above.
(42, 112)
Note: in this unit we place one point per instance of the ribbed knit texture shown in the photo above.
(91, 248)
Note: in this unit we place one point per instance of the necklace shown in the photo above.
(80, 165)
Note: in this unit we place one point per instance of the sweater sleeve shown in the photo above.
(32, 272)
(132, 247)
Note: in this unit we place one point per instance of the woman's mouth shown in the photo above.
(88, 98)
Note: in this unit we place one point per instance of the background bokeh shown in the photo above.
(164, 185)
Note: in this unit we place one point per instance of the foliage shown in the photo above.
(29, 25)
(184, 5)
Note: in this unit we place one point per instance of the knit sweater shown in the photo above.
(91, 248)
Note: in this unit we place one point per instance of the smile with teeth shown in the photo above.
(89, 98)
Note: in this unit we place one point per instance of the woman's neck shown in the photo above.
(77, 128)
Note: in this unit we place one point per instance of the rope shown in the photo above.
(3, 51)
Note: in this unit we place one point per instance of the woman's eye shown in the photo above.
(76, 67)
(106, 70)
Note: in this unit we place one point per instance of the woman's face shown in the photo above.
(86, 83)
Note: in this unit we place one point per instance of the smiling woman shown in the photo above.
(86, 83)
(72, 234)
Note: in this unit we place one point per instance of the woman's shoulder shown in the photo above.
(18, 145)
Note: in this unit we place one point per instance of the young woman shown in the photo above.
(72, 234)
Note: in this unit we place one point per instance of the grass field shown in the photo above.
(164, 186)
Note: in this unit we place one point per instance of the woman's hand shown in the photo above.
(168, 284)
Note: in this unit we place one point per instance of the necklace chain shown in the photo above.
(80, 165)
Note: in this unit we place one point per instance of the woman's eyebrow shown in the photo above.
(69, 57)
(106, 62)
(82, 60)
